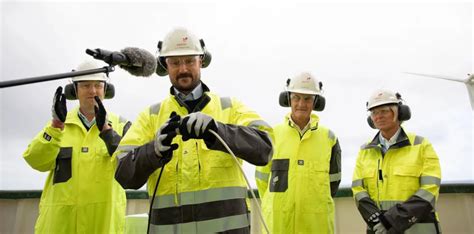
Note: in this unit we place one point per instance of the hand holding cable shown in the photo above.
(163, 138)
(201, 126)
(59, 108)
(197, 126)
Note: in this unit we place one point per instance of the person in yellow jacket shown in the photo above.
(80, 194)
(397, 175)
(201, 189)
(298, 185)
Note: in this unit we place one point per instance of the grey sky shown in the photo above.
(352, 48)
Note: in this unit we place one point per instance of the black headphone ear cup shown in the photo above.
(283, 99)
(109, 91)
(70, 92)
(404, 112)
(161, 69)
(320, 103)
(370, 122)
(207, 57)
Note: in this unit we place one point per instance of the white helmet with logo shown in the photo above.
(88, 65)
(304, 83)
(382, 97)
(181, 42)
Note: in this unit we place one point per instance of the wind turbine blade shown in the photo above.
(436, 76)
(470, 90)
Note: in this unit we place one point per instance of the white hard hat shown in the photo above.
(87, 65)
(304, 83)
(180, 42)
(382, 97)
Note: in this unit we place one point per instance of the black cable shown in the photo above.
(153, 198)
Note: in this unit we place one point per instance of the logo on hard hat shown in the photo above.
(184, 42)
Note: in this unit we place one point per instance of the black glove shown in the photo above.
(100, 114)
(197, 125)
(59, 109)
(379, 228)
(374, 218)
(164, 137)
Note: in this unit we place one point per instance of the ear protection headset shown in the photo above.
(319, 100)
(161, 68)
(404, 112)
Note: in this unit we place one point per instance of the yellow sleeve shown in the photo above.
(262, 175)
(430, 179)
(42, 151)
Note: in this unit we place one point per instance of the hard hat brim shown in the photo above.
(381, 103)
(89, 78)
(304, 91)
(181, 53)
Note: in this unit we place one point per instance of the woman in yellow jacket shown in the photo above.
(297, 187)
(80, 194)
(397, 175)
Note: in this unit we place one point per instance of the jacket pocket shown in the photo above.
(62, 171)
(279, 179)
(407, 178)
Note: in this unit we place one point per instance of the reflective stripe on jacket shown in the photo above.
(403, 184)
(295, 187)
(80, 194)
(201, 190)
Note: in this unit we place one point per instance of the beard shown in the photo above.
(186, 82)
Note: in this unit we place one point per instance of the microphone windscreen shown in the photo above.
(141, 62)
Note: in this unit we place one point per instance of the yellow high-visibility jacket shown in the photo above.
(201, 189)
(80, 194)
(297, 186)
(398, 188)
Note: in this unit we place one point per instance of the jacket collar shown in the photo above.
(402, 140)
(314, 121)
(202, 101)
(204, 89)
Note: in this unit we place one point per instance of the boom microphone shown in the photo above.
(135, 61)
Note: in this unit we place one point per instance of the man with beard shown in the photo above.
(201, 189)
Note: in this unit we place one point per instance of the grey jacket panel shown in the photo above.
(247, 143)
(335, 167)
(134, 169)
(403, 215)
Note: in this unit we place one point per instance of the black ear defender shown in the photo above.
(319, 101)
(404, 112)
(70, 91)
(161, 68)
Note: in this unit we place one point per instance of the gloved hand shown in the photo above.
(379, 228)
(59, 109)
(164, 136)
(100, 114)
(197, 125)
(374, 218)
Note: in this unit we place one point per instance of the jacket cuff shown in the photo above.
(385, 222)
(52, 134)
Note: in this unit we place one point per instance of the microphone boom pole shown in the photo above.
(31, 80)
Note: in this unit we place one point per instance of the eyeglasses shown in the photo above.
(305, 98)
(175, 62)
(382, 111)
(88, 85)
